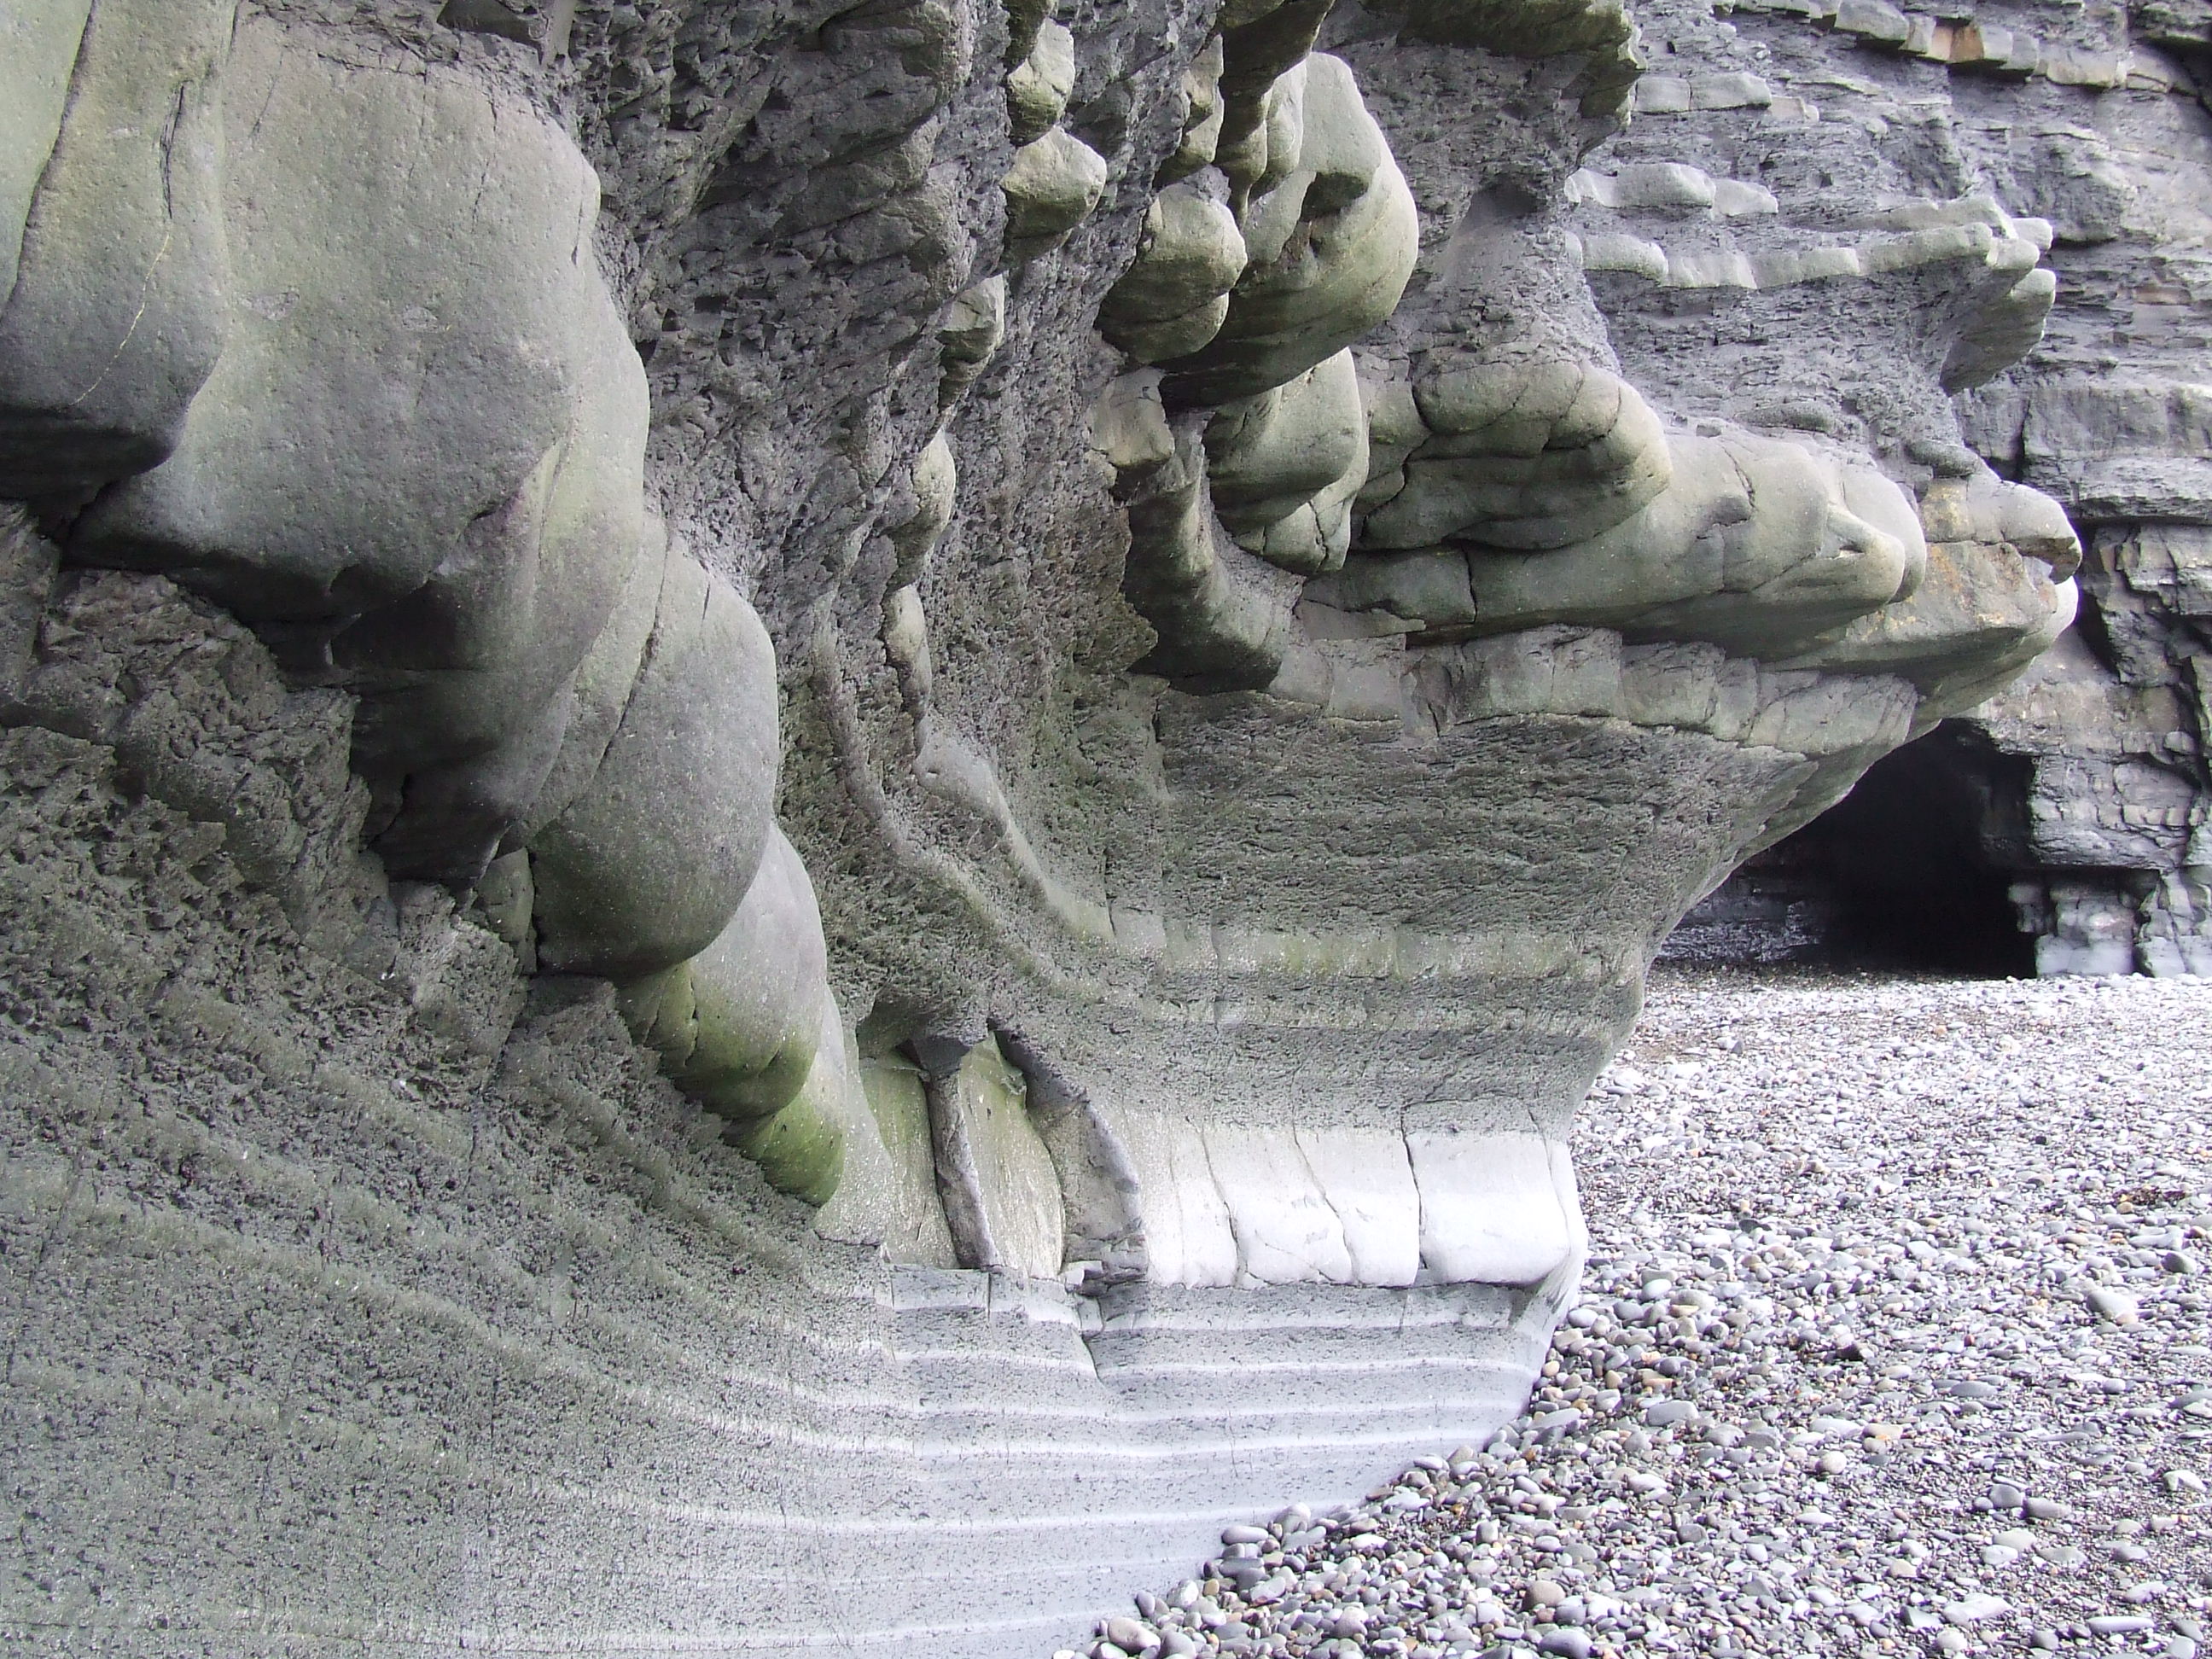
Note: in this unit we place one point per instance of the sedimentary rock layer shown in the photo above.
(2087, 133)
(803, 793)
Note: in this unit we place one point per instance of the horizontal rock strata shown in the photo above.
(800, 792)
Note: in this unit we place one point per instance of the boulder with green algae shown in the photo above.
(738, 1025)
(648, 863)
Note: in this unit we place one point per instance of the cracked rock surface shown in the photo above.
(1895, 1336)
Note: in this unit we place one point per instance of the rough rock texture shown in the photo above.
(2090, 120)
(1097, 642)
(362, 1303)
(2101, 417)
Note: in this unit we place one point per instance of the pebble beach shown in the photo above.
(1895, 1338)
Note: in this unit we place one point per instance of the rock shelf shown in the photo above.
(1894, 1339)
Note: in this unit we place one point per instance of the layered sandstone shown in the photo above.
(798, 792)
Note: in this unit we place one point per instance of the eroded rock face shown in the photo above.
(2093, 125)
(1099, 644)
(2117, 874)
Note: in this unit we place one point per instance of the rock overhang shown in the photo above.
(1127, 674)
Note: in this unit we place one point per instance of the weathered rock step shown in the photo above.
(1882, 1369)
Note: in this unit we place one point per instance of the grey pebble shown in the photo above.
(2118, 1306)
(1129, 1635)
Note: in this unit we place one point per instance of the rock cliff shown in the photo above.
(2077, 797)
(818, 815)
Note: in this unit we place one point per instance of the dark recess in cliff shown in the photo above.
(1911, 869)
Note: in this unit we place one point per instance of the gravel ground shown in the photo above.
(1894, 1340)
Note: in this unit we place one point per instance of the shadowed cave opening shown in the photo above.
(1911, 871)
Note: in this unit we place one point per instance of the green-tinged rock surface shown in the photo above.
(815, 822)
